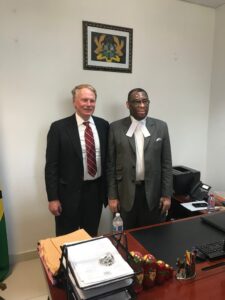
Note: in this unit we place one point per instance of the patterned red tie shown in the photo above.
(90, 150)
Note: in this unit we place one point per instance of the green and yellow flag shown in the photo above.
(4, 256)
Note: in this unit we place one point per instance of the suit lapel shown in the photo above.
(132, 142)
(100, 135)
(151, 128)
(73, 133)
(126, 125)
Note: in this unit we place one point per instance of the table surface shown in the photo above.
(206, 285)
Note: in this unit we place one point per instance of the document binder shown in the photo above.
(114, 288)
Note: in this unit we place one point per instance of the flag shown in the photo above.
(4, 256)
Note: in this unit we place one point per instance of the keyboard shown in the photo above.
(214, 250)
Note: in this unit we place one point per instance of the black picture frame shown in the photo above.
(107, 47)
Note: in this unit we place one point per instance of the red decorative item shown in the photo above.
(161, 272)
(137, 265)
(169, 271)
(150, 268)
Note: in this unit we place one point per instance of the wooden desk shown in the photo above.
(207, 285)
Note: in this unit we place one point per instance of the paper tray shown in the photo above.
(120, 287)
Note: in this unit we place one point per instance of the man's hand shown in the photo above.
(165, 203)
(55, 207)
(114, 205)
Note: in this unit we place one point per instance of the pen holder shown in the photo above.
(186, 267)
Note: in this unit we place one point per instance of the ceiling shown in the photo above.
(210, 3)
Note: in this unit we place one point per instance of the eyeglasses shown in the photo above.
(139, 102)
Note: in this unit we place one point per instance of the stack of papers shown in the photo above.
(91, 273)
(104, 292)
(85, 261)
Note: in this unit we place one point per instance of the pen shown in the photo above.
(214, 266)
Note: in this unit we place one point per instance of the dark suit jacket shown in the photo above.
(64, 161)
(121, 167)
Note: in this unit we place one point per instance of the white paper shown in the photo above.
(190, 207)
(93, 292)
(84, 259)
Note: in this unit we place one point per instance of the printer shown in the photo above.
(184, 179)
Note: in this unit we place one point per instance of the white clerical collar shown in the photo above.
(80, 121)
(134, 124)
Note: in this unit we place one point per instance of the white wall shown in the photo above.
(41, 61)
(216, 140)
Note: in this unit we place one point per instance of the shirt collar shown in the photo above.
(80, 121)
(134, 124)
